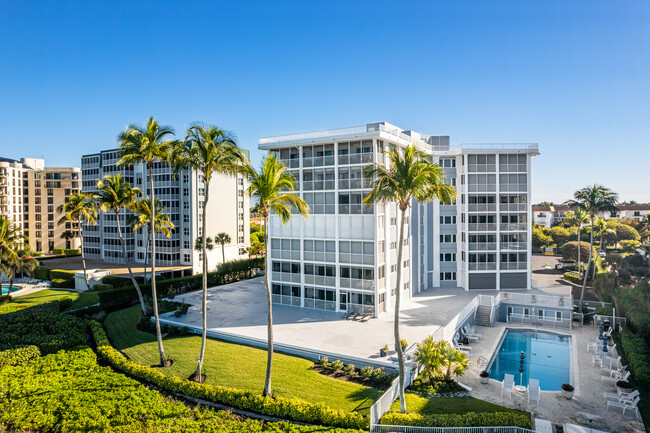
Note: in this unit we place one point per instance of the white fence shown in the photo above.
(413, 429)
(531, 319)
(559, 301)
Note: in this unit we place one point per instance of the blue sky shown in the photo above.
(571, 76)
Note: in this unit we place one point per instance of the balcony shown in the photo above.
(482, 227)
(320, 280)
(491, 266)
(482, 246)
(501, 147)
(357, 284)
(513, 227)
(513, 207)
(514, 266)
(482, 207)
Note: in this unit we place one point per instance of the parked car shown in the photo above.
(602, 253)
(565, 264)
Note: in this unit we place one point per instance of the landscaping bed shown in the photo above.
(367, 376)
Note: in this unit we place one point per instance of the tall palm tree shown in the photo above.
(198, 244)
(222, 239)
(593, 200)
(407, 176)
(209, 150)
(79, 207)
(602, 228)
(22, 261)
(577, 217)
(10, 240)
(149, 145)
(141, 219)
(272, 186)
(67, 235)
(115, 194)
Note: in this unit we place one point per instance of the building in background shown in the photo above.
(183, 196)
(549, 216)
(29, 196)
(343, 257)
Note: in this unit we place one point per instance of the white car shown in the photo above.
(565, 264)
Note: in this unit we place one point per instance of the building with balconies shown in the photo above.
(343, 257)
(182, 195)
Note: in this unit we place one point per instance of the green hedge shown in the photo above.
(60, 283)
(5, 299)
(18, 356)
(42, 273)
(58, 251)
(638, 355)
(573, 277)
(70, 252)
(61, 274)
(470, 419)
(119, 282)
(102, 286)
(282, 407)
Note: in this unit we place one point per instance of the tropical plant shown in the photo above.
(273, 187)
(408, 176)
(602, 228)
(577, 217)
(440, 357)
(114, 194)
(149, 145)
(222, 239)
(141, 218)
(209, 150)
(198, 243)
(67, 235)
(22, 262)
(592, 200)
(10, 241)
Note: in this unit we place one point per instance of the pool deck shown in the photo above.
(588, 397)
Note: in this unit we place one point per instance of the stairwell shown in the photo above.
(483, 313)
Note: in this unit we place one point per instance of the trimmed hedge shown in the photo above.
(60, 283)
(58, 251)
(573, 277)
(282, 407)
(119, 282)
(5, 299)
(72, 252)
(470, 419)
(638, 355)
(41, 273)
(18, 356)
(61, 274)
(102, 286)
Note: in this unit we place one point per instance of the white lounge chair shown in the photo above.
(627, 396)
(472, 338)
(614, 371)
(592, 345)
(507, 385)
(533, 390)
(460, 346)
(626, 405)
(615, 378)
(597, 359)
(469, 331)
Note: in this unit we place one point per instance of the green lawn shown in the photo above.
(428, 406)
(79, 300)
(237, 366)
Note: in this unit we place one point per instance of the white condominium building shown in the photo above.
(30, 194)
(343, 257)
(183, 196)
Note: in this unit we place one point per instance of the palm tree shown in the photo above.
(82, 208)
(10, 240)
(601, 229)
(407, 177)
(577, 217)
(452, 360)
(22, 261)
(209, 150)
(67, 235)
(272, 186)
(198, 244)
(592, 200)
(222, 239)
(147, 146)
(115, 194)
(142, 219)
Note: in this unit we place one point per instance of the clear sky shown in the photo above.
(573, 76)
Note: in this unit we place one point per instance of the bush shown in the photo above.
(102, 286)
(282, 407)
(58, 251)
(570, 251)
(72, 252)
(37, 254)
(350, 369)
(5, 299)
(337, 365)
(573, 277)
(119, 282)
(366, 372)
(638, 355)
(117, 299)
(629, 246)
(64, 304)
(469, 419)
(62, 274)
(435, 385)
(60, 283)
(41, 273)
(18, 356)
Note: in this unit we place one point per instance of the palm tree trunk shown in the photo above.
(398, 297)
(579, 233)
(128, 264)
(591, 248)
(83, 257)
(146, 255)
(11, 284)
(223, 252)
(154, 294)
(267, 277)
(204, 301)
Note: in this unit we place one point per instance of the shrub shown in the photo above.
(42, 273)
(37, 254)
(117, 299)
(18, 356)
(102, 286)
(72, 252)
(58, 251)
(638, 355)
(378, 374)
(366, 372)
(629, 246)
(5, 299)
(60, 283)
(64, 304)
(282, 407)
(62, 274)
(469, 419)
(573, 277)
(436, 385)
(117, 282)
(604, 312)
(325, 363)
(337, 365)
(350, 369)
(570, 251)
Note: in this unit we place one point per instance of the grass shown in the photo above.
(237, 366)
(79, 299)
(428, 406)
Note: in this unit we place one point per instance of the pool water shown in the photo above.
(5, 288)
(546, 358)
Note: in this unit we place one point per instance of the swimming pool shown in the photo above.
(547, 358)
(5, 288)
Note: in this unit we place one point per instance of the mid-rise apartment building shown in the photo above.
(182, 195)
(30, 193)
(343, 257)
(549, 216)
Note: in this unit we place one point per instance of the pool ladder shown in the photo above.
(482, 361)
